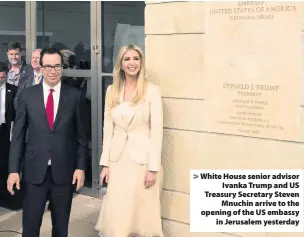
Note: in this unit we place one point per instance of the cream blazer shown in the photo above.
(141, 135)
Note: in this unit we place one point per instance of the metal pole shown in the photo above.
(33, 25)
(28, 29)
(43, 26)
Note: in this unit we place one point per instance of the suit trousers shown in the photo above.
(34, 205)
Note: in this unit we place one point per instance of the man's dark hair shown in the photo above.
(49, 51)
(3, 67)
(14, 45)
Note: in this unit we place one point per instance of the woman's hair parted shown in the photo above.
(119, 76)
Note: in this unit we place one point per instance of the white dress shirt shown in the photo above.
(34, 79)
(56, 96)
(3, 93)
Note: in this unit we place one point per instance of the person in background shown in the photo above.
(38, 77)
(7, 116)
(18, 69)
(34, 76)
(56, 150)
(131, 155)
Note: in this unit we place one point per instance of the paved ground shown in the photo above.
(84, 215)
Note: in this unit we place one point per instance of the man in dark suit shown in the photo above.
(34, 77)
(56, 150)
(7, 116)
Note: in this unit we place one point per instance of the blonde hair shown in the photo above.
(119, 76)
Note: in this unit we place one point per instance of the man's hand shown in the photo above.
(79, 178)
(13, 179)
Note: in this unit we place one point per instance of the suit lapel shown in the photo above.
(29, 82)
(131, 117)
(8, 99)
(62, 101)
(41, 104)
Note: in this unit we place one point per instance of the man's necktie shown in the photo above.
(0, 105)
(50, 108)
(37, 78)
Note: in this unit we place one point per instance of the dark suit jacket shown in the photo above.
(5, 137)
(27, 72)
(5, 130)
(9, 107)
(66, 144)
(25, 81)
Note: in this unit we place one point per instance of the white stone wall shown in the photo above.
(175, 61)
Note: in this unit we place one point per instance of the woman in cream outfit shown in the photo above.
(131, 156)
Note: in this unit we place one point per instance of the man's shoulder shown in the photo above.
(27, 68)
(30, 90)
(27, 74)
